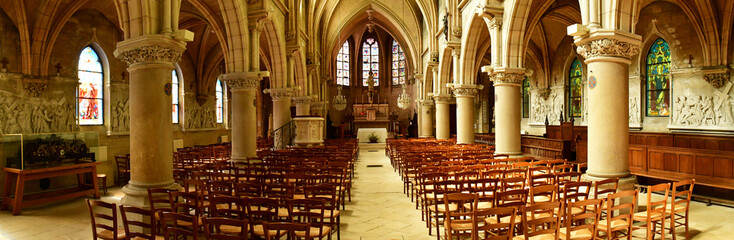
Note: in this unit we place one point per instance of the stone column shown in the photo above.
(281, 106)
(607, 55)
(244, 86)
(507, 83)
(443, 121)
(303, 105)
(150, 60)
(426, 118)
(465, 113)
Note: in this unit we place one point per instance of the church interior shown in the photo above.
(366, 119)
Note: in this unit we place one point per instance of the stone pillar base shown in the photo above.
(137, 196)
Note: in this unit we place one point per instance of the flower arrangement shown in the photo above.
(373, 138)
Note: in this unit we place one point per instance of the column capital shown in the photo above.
(279, 93)
(601, 43)
(506, 76)
(302, 100)
(150, 49)
(243, 80)
(442, 98)
(466, 90)
(425, 102)
(495, 22)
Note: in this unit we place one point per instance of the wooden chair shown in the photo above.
(144, 223)
(216, 228)
(680, 202)
(179, 225)
(543, 193)
(618, 223)
(102, 230)
(159, 201)
(260, 211)
(581, 225)
(603, 188)
(437, 209)
(539, 222)
(276, 230)
(123, 169)
(310, 211)
(187, 203)
(494, 229)
(655, 213)
(459, 221)
(328, 194)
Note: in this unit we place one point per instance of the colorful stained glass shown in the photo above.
(219, 94)
(370, 60)
(174, 95)
(658, 79)
(342, 65)
(398, 64)
(575, 88)
(526, 98)
(90, 95)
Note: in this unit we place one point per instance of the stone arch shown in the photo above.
(471, 46)
(444, 70)
(276, 52)
(301, 77)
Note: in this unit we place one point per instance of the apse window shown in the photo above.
(575, 88)
(342, 65)
(174, 95)
(370, 61)
(657, 66)
(398, 64)
(90, 94)
(220, 102)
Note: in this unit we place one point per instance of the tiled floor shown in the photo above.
(379, 210)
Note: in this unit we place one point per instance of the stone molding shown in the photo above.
(427, 103)
(495, 23)
(466, 91)
(717, 79)
(442, 98)
(608, 47)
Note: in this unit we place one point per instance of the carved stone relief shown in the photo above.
(199, 116)
(550, 107)
(634, 110)
(692, 110)
(35, 115)
(121, 116)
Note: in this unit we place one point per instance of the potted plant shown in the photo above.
(373, 138)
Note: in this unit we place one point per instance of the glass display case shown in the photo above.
(43, 150)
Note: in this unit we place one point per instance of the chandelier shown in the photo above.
(340, 102)
(403, 99)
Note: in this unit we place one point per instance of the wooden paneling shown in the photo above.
(685, 163)
(704, 165)
(545, 148)
(637, 157)
(722, 167)
(709, 167)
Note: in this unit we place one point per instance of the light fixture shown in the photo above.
(403, 99)
(340, 102)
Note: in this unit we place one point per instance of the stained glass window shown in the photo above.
(398, 64)
(220, 102)
(90, 95)
(526, 98)
(174, 95)
(342, 65)
(658, 80)
(370, 61)
(575, 88)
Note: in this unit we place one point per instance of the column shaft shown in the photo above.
(426, 117)
(464, 119)
(507, 110)
(244, 87)
(443, 122)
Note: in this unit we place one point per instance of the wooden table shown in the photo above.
(19, 201)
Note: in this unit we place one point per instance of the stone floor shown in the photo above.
(379, 210)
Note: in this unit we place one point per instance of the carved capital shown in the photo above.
(495, 23)
(508, 78)
(716, 77)
(151, 54)
(279, 93)
(465, 91)
(302, 100)
(244, 80)
(608, 47)
(442, 98)
(34, 87)
(426, 103)
(456, 31)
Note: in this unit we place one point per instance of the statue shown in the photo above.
(370, 87)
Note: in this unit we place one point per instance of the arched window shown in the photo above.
(526, 98)
(398, 64)
(370, 61)
(657, 67)
(174, 95)
(342, 65)
(220, 102)
(90, 95)
(575, 88)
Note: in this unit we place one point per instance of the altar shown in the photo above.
(371, 116)
(363, 134)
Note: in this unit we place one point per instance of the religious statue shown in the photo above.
(370, 87)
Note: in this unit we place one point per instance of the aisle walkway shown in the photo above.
(379, 209)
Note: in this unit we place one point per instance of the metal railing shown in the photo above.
(283, 136)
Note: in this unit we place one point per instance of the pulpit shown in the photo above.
(309, 131)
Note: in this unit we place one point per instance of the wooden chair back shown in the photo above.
(496, 229)
(143, 222)
(104, 220)
(586, 219)
(539, 219)
(179, 225)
